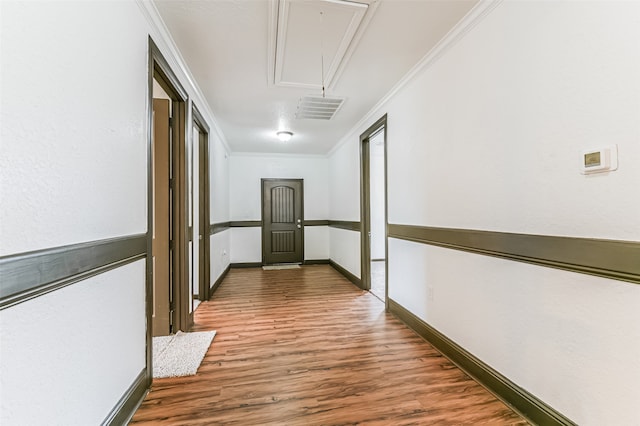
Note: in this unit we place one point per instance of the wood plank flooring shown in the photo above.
(306, 347)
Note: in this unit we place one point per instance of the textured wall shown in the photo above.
(73, 163)
(73, 168)
(489, 136)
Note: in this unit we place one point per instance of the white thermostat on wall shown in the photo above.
(599, 160)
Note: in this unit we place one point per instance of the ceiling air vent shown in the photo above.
(318, 107)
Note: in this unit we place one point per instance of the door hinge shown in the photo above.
(170, 121)
(170, 244)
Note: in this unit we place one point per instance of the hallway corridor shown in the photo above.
(305, 346)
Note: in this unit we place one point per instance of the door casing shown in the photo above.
(204, 206)
(365, 207)
(182, 318)
(266, 203)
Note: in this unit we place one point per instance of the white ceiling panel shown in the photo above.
(229, 47)
(312, 40)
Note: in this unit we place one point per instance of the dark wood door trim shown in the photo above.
(159, 70)
(204, 206)
(365, 204)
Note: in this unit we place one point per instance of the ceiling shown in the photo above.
(255, 59)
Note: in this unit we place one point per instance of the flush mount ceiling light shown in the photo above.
(284, 136)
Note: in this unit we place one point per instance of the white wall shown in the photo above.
(73, 352)
(219, 205)
(73, 137)
(246, 172)
(345, 249)
(73, 168)
(493, 130)
(219, 180)
(344, 181)
(377, 191)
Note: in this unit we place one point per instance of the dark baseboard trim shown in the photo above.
(129, 403)
(348, 275)
(345, 224)
(218, 227)
(316, 223)
(612, 259)
(316, 262)
(519, 399)
(28, 275)
(245, 224)
(216, 284)
(246, 265)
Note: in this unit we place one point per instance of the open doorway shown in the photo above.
(374, 209)
(202, 244)
(168, 293)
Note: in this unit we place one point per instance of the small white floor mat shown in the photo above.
(180, 354)
(276, 267)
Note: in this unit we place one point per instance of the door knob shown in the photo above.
(299, 226)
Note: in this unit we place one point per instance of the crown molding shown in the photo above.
(481, 10)
(237, 154)
(166, 43)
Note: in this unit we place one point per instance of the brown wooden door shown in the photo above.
(161, 255)
(282, 221)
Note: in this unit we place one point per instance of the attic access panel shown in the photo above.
(309, 44)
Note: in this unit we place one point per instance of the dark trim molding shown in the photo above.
(606, 258)
(316, 223)
(316, 262)
(216, 284)
(129, 403)
(345, 224)
(199, 119)
(28, 275)
(246, 265)
(519, 399)
(348, 275)
(219, 227)
(222, 226)
(245, 224)
(380, 126)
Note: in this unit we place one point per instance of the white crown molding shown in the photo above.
(481, 10)
(175, 59)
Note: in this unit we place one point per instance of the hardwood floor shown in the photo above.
(307, 347)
